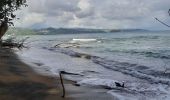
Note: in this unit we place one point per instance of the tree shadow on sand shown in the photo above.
(24, 90)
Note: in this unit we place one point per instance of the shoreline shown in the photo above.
(18, 81)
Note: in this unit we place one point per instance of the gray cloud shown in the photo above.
(95, 13)
(62, 5)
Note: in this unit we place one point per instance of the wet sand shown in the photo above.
(19, 82)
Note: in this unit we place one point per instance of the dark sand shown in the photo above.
(19, 82)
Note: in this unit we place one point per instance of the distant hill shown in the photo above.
(69, 31)
(54, 31)
(134, 30)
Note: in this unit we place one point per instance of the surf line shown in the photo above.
(68, 73)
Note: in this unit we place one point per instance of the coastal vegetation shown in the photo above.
(7, 9)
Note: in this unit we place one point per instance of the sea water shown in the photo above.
(139, 59)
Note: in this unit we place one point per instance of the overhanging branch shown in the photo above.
(163, 22)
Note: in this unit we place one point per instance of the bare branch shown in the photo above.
(162, 22)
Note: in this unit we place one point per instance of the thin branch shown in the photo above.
(163, 22)
(62, 83)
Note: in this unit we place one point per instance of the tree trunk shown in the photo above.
(3, 28)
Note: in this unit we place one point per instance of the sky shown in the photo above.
(106, 14)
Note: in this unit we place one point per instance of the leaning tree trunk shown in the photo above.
(3, 28)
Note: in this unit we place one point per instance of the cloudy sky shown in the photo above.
(94, 14)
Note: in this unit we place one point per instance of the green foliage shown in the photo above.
(7, 9)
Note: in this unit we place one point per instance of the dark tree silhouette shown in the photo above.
(7, 9)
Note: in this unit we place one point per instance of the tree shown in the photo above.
(7, 9)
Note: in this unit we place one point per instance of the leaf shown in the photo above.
(7, 7)
(12, 15)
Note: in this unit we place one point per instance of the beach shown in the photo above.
(130, 59)
(19, 82)
(136, 59)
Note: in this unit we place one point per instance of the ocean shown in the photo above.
(140, 60)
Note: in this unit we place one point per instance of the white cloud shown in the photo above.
(86, 9)
(30, 19)
(95, 13)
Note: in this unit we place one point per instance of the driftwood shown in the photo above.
(61, 79)
(10, 43)
(67, 45)
(62, 82)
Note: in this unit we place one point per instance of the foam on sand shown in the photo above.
(99, 82)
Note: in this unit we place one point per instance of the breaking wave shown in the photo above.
(83, 40)
(162, 54)
(135, 70)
